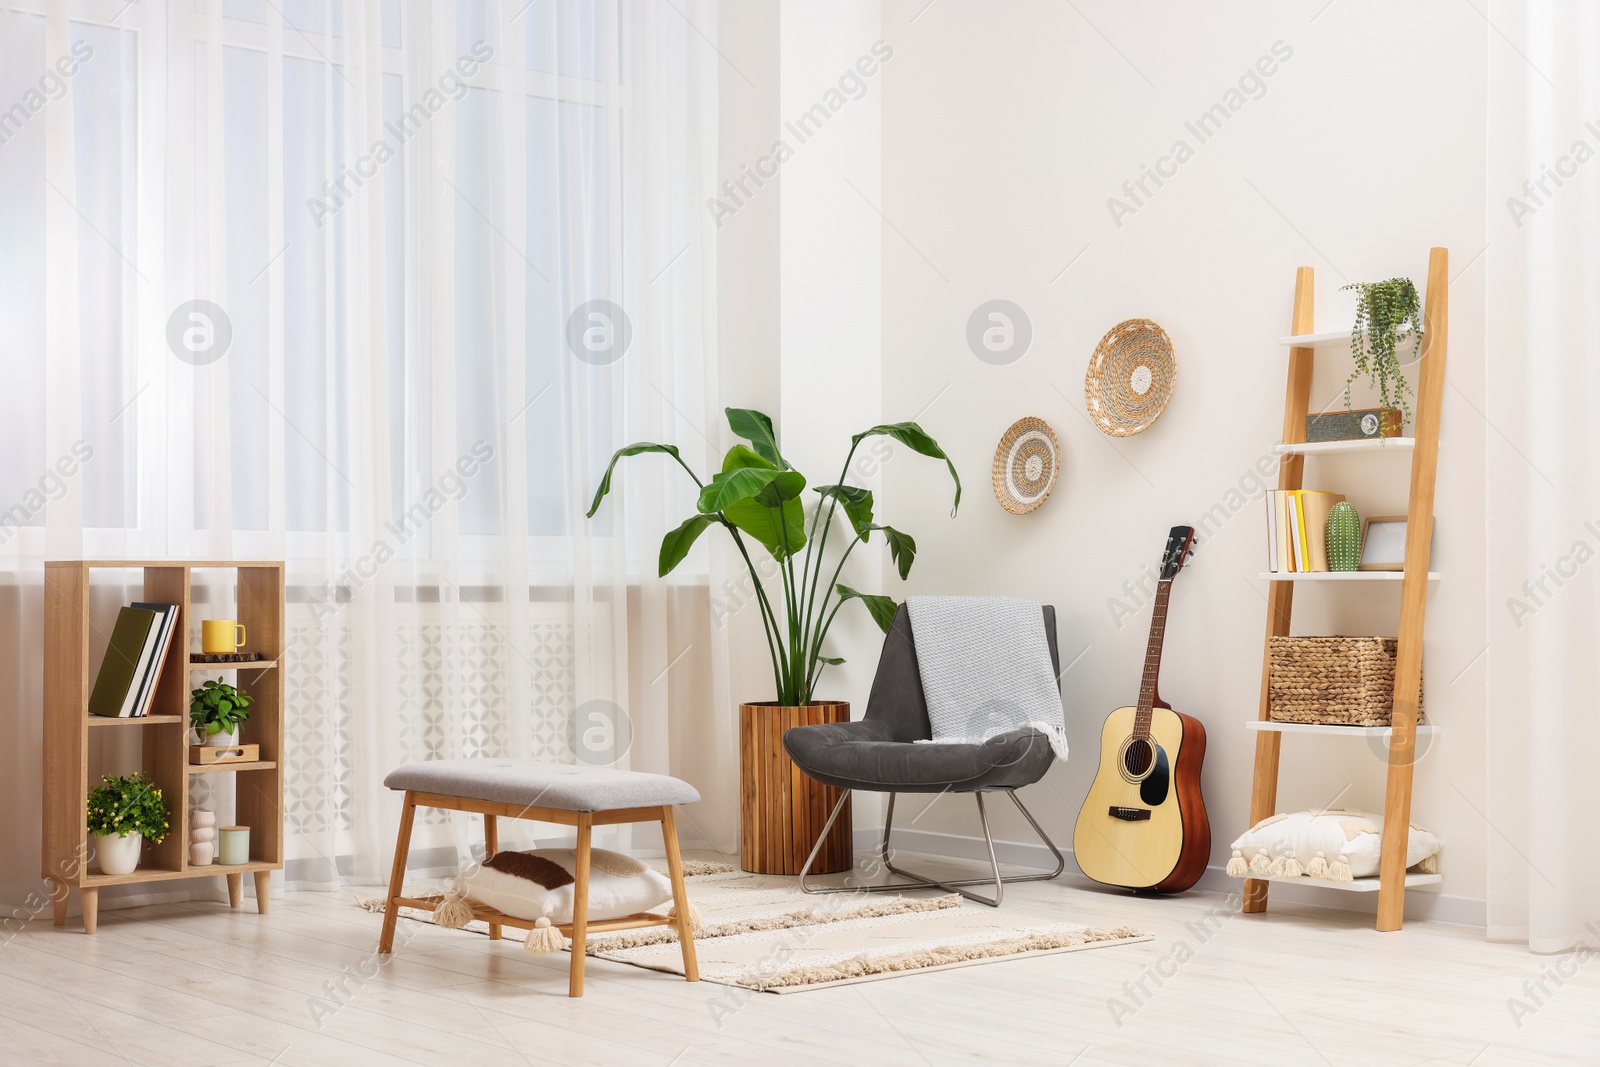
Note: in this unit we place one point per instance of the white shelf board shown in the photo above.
(1335, 731)
(1329, 339)
(1338, 576)
(1324, 448)
(1358, 885)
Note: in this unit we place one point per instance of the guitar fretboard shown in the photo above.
(1152, 662)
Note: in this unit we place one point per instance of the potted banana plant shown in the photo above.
(759, 499)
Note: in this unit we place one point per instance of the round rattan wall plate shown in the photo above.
(1025, 465)
(1130, 378)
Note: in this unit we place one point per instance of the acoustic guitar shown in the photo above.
(1143, 825)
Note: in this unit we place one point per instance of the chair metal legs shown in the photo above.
(918, 881)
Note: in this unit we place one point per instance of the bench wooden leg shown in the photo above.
(680, 894)
(235, 889)
(580, 906)
(397, 878)
(491, 845)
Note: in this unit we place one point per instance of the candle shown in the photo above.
(233, 844)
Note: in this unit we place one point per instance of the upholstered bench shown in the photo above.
(584, 797)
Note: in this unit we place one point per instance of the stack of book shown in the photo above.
(126, 685)
(1297, 529)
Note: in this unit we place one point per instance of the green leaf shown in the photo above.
(756, 428)
(857, 504)
(675, 546)
(832, 661)
(631, 450)
(902, 548)
(881, 607)
(739, 457)
(730, 487)
(913, 437)
(781, 530)
(788, 485)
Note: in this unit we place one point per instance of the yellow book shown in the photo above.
(1316, 504)
(1302, 553)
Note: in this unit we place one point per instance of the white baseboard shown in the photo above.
(1420, 904)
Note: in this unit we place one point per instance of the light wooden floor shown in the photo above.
(197, 984)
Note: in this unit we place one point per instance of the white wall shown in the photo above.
(830, 277)
(1005, 129)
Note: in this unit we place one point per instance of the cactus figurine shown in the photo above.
(1344, 537)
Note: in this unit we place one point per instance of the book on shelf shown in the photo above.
(1278, 518)
(1315, 505)
(126, 683)
(1272, 529)
(152, 673)
(1297, 529)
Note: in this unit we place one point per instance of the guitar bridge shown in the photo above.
(1130, 814)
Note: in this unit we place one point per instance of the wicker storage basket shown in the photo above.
(1334, 681)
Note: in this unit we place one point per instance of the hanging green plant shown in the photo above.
(1388, 314)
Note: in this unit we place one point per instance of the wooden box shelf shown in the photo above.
(162, 736)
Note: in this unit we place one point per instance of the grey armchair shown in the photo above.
(878, 753)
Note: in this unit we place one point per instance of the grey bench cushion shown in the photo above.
(545, 785)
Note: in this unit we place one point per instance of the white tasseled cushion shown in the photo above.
(1357, 835)
(531, 885)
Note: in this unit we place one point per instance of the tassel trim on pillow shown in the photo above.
(696, 920)
(1237, 867)
(1291, 866)
(1318, 867)
(543, 939)
(1339, 869)
(1428, 864)
(1261, 862)
(453, 912)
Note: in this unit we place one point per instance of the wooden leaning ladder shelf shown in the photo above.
(1413, 591)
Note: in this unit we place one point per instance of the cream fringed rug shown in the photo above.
(762, 933)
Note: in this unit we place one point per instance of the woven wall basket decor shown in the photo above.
(1130, 378)
(1025, 465)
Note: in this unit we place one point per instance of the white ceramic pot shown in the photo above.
(117, 855)
(227, 740)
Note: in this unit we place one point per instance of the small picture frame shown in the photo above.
(1383, 543)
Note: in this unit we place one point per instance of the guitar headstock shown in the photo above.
(1180, 546)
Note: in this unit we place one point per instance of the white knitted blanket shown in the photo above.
(985, 666)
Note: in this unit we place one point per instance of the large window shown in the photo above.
(397, 220)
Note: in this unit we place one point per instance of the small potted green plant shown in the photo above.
(123, 814)
(1388, 314)
(215, 711)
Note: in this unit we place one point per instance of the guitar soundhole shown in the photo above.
(1137, 758)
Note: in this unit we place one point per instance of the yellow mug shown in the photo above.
(220, 636)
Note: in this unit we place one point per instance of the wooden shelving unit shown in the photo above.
(1396, 445)
(1341, 576)
(1331, 731)
(163, 734)
(1303, 343)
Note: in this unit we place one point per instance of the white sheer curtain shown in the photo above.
(1543, 487)
(459, 253)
